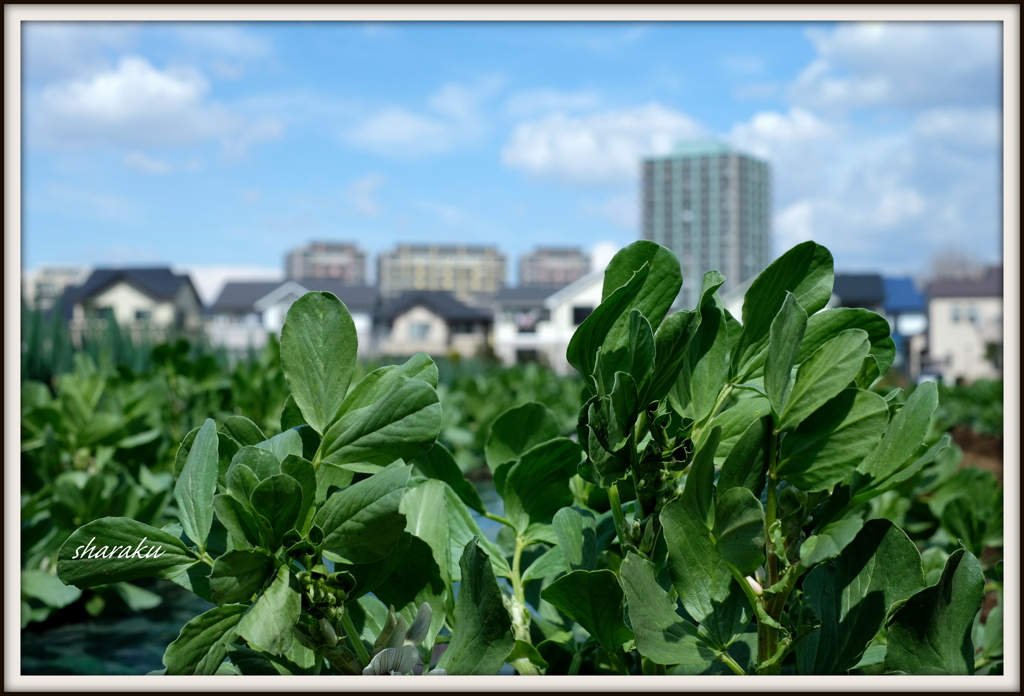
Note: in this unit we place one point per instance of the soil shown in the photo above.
(980, 451)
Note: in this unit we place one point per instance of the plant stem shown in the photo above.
(520, 614)
(574, 667)
(768, 636)
(731, 664)
(620, 522)
(498, 518)
(353, 636)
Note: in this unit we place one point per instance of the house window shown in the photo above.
(580, 313)
(972, 314)
(418, 331)
(956, 313)
(143, 315)
(462, 327)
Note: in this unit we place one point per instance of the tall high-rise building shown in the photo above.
(553, 266)
(342, 261)
(471, 273)
(712, 207)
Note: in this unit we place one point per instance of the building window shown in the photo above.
(418, 331)
(580, 313)
(143, 315)
(956, 313)
(462, 327)
(972, 314)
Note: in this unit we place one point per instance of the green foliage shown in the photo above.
(735, 499)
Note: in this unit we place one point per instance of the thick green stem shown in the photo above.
(353, 637)
(620, 522)
(498, 518)
(768, 636)
(731, 663)
(519, 613)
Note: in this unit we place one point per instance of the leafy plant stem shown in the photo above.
(520, 614)
(767, 638)
(499, 518)
(574, 666)
(616, 505)
(353, 636)
(731, 664)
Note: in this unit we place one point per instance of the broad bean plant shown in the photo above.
(709, 515)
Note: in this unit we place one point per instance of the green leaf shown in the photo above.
(226, 449)
(829, 444)
(524, 650)
(536, 487)
(283, 444)
(671, 348)
(853, 595)
(243, 431)
(739, 530)
(733, 422)
(242, 478)
(406, 590)
(438, 463)
(48, 589)
(237, 517)
(550, 562)
(931, 633)
(302, 471)
(576, 530)
(403, 421)
(136, 598)
(659, 289)
(276, 502)
(635, 357)
(823, 375)
(517, 430)
(904, 435)
(441, 519)
(822, 326)
(291, 416)
(318, 354)
(747, 463)
(382, 381)
(589, 336)
(806, 271)
(829, 541)
(661, 635)
(482, 636)
(594, 600)
(91, 556)
(707, 367)
(238, 575)
(785, 336)
(197, 484)
(202, 644)
(268, 625)
(362, 523)
(697, 495)
(195, 579)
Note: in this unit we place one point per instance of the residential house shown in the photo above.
(245, 312)
(536, 323)
(434, 323)
(864, 290)
(136, 298)
(907, 311)
(965, 327)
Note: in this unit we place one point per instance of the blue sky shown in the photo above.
(219, 147)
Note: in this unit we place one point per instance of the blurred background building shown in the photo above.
(473, 274)
(553, 266)
(342, 261)
(712, 207)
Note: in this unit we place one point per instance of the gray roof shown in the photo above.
(238, 297)
(859, 290)
(526, 296)
(443, 304)
(989, 286)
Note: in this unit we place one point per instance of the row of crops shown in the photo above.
(110, 428)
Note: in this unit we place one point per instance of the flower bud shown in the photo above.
(755, 586)
(328, 632)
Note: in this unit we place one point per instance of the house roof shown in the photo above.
(240, 297)
(526, 296)
(901, 295)
(859, 289)
(160, 283)
(443, 304)
(574, 287)
(989, 286)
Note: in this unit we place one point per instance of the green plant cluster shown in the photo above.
(718, 510)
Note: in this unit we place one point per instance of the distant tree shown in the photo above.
(955, 263)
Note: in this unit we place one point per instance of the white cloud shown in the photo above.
(601, 148)
(453, 118)
(531, 102)
(904, 64)
(137, 105)
(143, 163)
(72, 49)
(977, 129)
(362, 194)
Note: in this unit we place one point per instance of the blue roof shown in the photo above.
(901, 295)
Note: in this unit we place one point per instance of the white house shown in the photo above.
(965, 327)
(245, 312)
(536, 323)
(137, 298)
(434, 323)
